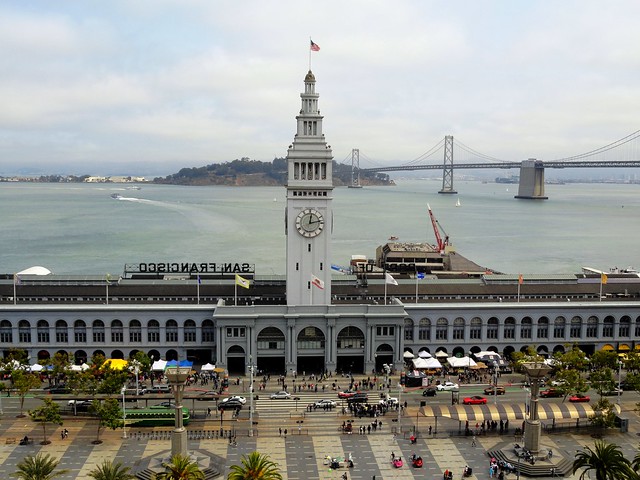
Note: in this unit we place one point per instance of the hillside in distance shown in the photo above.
(246, 172)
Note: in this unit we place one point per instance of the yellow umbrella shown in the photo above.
(116, 363)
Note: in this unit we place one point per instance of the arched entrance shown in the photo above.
(310, 346)
(383, 356)
(236, 360)
(350, 350)
(270, 351)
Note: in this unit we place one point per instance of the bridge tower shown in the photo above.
(355, 168)
(447, 171)
(531, 180)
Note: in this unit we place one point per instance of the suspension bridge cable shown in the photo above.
(470, 150)
(606, 148)
(425, 155)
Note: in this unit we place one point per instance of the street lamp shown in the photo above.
(124, 413)
(399, 406)
(495, 382)
(250, 396)
(619, 381)
(535, 371)
(177, 376)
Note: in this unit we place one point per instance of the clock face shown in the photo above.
(309, 223)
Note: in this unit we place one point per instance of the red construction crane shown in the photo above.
(441, 244)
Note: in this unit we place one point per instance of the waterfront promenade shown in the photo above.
(311, 436)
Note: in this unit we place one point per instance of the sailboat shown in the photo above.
(458, 202)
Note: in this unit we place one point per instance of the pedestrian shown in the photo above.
(61, 434)
(209, 412)
(285, 433)
(473, 441)
(429, 429)
(280, 432)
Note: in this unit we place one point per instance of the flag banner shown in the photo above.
(16, 279)
(108, 277)
(421, 276)
(388, 278)
(603, 278)
(520, 279)
(199, 280)
(317, 282)
(314, 46)
(340, 269)
(243, 282)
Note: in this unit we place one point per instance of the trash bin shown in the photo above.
(624, 425)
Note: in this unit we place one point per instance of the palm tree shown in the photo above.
(180, 468)
(111, 471)
(40, 467)
(255, 466)
(606, 460)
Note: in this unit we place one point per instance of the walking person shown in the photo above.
(473, 441)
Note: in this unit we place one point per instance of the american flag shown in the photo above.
(314, 46)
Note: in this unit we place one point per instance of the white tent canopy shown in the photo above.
(159, 365)
(207, 367)
(441, 354)
(424, 354)
(426, 363)
(36, 367)
(408, 355)
(464, 362)
(487, 354)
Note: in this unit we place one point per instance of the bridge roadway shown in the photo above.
(301, 454)
(507, 165)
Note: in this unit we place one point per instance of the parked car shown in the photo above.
(430, 392)
(551, 392)
(238, 398)
(56, 389)
(627, 385)
(158, 389)
(280, 395)
(614, 391)
(447, 386)
(492, 390)
(579, 398)
(207, 396)
(164, 405)
(230, 405)
(358, 398)
(475, 400)
(325, 403)
(389, 401)
(558, 383)
(347, 393)
(80, 405)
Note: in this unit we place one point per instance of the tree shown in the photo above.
(40, 467)
(604, 359)
(23, 382)
(109, 415)
(255, 466)
(604, 414)
(111, 471)
(602, 381)
(180, 468)
(606, 461)
(49, 412)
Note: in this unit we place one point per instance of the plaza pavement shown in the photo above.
(300, 454)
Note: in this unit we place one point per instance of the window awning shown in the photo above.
(608, 348)
(479, 413)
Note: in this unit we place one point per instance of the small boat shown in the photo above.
(393, 238)
(458, 202)
(134, 187)
(116, 196)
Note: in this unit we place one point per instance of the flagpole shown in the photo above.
(385, 289)
(236, 292)
(518, 291)
(198, 288)
(15, 292)
(416, 287)
(107, 287)
(600, 296)
(310, 53)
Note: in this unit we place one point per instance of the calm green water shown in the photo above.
(80, 229)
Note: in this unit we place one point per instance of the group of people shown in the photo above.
(487, 426)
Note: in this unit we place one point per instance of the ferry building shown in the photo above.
(310, 321)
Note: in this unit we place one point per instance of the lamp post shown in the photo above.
(250, 396)
(535, 371)
(124, 413)
(495, 382)
(399, 406)
(619, 381)
(177, 376)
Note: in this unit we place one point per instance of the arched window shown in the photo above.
(171, 334)
(558, 327)
(525, 327)
(272, 338)
(510, 327)
(117, 335)
(153, 331)
(6, 336)
(543, 327)
(592, 327)
(98, 331)
(135, 331)
(62, 332)
(576, 327)
(625, 326)
(80, 331)
(189, 331)
(24, 331)
(475, 332)
(458, 329)
(308, 338)
(492, 328)
(442, 329)
(208, 331)
(43, 331)
(424, 329)
(408, 329)
(607, 326)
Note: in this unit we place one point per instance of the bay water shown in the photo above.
(80, 229)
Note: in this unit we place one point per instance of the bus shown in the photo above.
(155, 417)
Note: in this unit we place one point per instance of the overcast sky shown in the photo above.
(151, 86)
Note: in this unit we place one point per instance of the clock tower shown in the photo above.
(309, 217)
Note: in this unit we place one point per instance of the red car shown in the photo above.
(347, 394)
(579, 398)
(476, 400)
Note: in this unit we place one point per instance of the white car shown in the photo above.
(558, 383)
(390, 401)
(238, 398)
(447, 386)
(281, 394)
(324, 403)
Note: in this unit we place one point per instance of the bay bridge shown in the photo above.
(623, 153)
